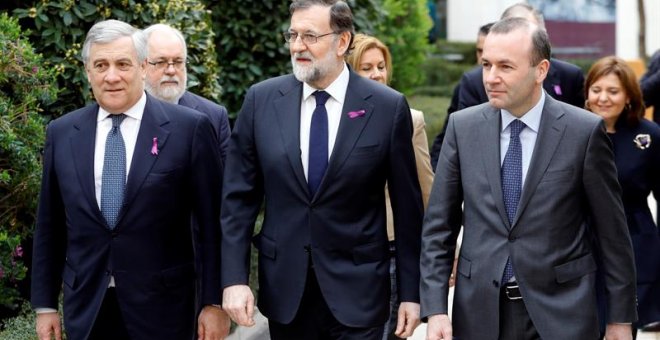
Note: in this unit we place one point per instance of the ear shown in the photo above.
(542, 70)
(143, 70)
(344, 40)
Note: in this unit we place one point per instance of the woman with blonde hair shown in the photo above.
(370, 58)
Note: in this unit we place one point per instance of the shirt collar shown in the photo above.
(532, 118)
(337, 89)
(135, 112)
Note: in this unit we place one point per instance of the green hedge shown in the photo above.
(25, 86)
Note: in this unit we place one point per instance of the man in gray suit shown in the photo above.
(537, 179)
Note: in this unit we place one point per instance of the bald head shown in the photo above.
(525, 11)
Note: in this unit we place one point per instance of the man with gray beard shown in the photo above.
(318, 146)
(167, 78)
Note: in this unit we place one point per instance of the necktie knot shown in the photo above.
(516, 126)
(116, 120)
(321, 97)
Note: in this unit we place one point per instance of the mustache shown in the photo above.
(306, 55)
(170, 78)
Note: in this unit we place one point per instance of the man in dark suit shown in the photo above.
(535, 176)
(321, 167)
(122, 179)
(564, 82)
(650, 84)
(167, 77)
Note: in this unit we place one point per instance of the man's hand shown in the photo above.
(439, 327)
(49, 324)
(238, 302)
(407, 320)
(618, 331)
(212, 324)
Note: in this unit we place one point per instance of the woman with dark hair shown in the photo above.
(612, 92)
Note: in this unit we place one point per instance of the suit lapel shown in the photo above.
(350, 129)
(83, 142)
(551, 130)
(152, 126)
(490, 140)
(287, 110)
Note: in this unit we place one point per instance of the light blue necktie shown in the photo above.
(318, 143)
(512, 182)
(113, 178)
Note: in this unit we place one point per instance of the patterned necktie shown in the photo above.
(113, 179)
(318, 143)
(512, 182)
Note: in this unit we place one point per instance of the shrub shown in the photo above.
(24, 87)
(60, 27)
(405, 31)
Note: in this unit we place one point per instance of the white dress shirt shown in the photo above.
(334, 106)
(532, 120)
(129, 130)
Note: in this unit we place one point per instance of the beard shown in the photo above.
(318, 68)
(169, 93)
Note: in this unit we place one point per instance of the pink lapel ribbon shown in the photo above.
(154, 147)
(355, 114)
(557, 90)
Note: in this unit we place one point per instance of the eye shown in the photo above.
(124, 66)
(309, 37)
(486, 65)
(100, 67)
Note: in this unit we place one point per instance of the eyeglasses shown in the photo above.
(307, 38)
(164, 64)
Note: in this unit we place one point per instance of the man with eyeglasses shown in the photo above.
(122, 180)
(167, 77)
(319, 145)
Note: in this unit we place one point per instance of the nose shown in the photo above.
(297, 45)
(490, 75)
(170, 69)
(112, 75)
(376, 74)
(602, 96)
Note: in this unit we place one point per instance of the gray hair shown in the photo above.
(540, 41)
(107, 31)
(341, 17)
(523, 10)
(167, 29)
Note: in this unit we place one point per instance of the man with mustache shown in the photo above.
(167, 78)
(319, 145)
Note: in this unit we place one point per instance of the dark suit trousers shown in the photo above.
(515, 323)
(109, 324)
(314, 320)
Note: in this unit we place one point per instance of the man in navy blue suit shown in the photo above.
(167, 78)
(122, 180)
(318, 145)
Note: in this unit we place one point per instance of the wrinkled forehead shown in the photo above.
(315, 18)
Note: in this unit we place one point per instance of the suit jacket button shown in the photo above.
(512, 238)
(496, 284)
(114, 234)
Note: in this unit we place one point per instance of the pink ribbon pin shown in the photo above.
(154, 147)
(355, 114)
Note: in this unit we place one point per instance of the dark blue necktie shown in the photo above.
(318, 143)
(512, 182)
(113, 179)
